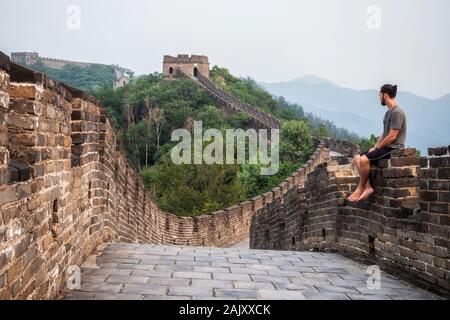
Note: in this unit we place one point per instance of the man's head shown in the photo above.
(388, 92)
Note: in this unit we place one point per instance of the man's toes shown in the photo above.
(365, 195)
(352, 196)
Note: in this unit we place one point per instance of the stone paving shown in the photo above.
(157, 272)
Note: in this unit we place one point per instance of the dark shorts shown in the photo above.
(378, 154)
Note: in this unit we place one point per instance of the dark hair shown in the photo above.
(390, 90)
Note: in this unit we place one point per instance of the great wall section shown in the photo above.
(27, 59)
(404, 228)
(66, 187)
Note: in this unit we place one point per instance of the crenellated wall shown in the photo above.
(404, 227)
(66, 187)
(230, 104)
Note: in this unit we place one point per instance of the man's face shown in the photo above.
(382, 99)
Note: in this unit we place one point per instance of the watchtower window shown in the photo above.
(195, 72)
(170, 70)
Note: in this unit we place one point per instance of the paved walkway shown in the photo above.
(244, 244)
(133, 271)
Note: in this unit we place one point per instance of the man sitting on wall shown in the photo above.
(394, 136)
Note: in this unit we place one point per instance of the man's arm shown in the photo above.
(395, 126)
(380, 137)
(393, 133)
(378, 141)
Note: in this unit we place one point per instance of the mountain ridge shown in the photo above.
(360, 111)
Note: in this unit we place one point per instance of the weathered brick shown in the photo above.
(429, 195)
(26, 106)
(2, 280)
(440, 151)
(16, 286)
(444, 196)
(399, 172)
(439, 162)
(439, 207)
(404, 162)
(24, 91)
(22, 246)
(443, 173)
(7, 195)
(407, 152)
(14, 270)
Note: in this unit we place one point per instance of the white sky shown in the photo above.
(269, 41)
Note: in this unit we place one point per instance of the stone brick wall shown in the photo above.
(404, 227)
(432, 258)
(4, 106)
(66, 187)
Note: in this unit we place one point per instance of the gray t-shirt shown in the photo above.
(395, 118)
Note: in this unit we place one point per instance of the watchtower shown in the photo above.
(190, 65)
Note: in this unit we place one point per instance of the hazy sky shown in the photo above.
(269, 41)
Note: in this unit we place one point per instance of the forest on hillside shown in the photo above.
(147, 110)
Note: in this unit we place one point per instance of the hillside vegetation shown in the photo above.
(147, 110)
(84, 78)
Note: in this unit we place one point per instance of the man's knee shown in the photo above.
(364, 160)
(356, 159)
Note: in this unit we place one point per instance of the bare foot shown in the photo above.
(355, 195)
(366, 194)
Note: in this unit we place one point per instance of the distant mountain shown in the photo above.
(311, 80)
(361, 112)
(444, 99)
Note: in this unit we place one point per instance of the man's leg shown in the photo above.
(360, 188)
(364, 171)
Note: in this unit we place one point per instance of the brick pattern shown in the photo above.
(66, 187)
(432, 256)
(404, 227)
(34, 207)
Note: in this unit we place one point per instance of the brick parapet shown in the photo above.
(66, 207)
(404, 227)
(80, 189)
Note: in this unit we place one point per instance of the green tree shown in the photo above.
(322, 131)
(193, 189)
(365, 144)
(198, 189)
(296, 141)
